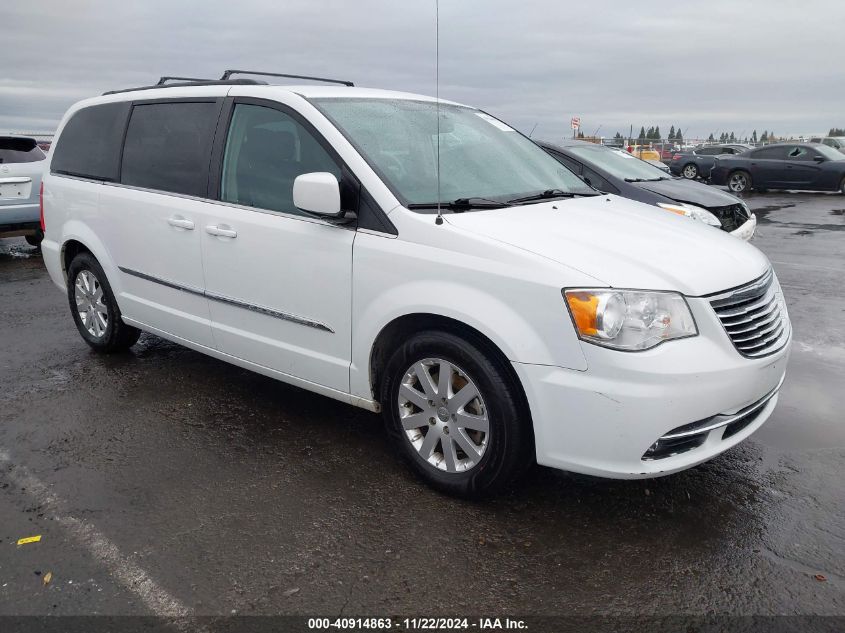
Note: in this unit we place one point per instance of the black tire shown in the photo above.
(117, 336)
(842, 187)
(690, 171)
(34, 240)
(739, 181)
(510, 443)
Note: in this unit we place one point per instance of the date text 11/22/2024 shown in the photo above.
(416, 624)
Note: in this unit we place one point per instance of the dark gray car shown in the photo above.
(795, 166)
(615, 171)
(698, 162)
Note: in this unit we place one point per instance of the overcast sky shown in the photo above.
(706, 66)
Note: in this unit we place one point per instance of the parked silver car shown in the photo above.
(21, 164)
(836, 142)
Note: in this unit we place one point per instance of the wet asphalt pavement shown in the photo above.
(163, 474)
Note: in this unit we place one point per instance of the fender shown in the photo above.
(82, 233)
(504, 325)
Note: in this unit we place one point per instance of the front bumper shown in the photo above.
(676, 168)
(605, 420)
(746, 231)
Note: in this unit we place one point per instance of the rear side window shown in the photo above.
(167, 146)
(89, 145)
(799, 153)
(770, 152)
(19, 150)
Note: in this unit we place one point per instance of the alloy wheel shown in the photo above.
(690, 171)
(443, 415)
(738, 182)
(93, 312)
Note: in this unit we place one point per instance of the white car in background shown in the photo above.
(496, 310)
(21, 165)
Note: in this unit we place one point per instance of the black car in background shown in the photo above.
(698, 162)
(797, 166)
(612, 170)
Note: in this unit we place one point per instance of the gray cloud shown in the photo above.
(706, 66)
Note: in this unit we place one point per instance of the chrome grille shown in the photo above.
(754, 316)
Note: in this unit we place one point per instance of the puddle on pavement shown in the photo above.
(763, 212)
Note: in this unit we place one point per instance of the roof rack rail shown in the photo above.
(163, 80)
(193, 82)
(229, 73)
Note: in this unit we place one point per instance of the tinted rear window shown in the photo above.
(89, 145)
(167, 146)
(19, 150)
(770, 152)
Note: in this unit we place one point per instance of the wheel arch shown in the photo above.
(399, 329)
(70, 249)
(78, 238)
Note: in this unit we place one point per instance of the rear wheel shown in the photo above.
(94, 308)
(454, 414)
(690, 171)
(35, 239)
(739, 182)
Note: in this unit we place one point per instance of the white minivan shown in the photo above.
(418, 258)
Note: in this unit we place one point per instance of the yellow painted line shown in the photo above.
(29, 539)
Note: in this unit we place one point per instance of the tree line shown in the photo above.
(653, 134)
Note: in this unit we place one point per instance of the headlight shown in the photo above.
(630, 320)
(691, 211)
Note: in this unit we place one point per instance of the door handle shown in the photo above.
(181, 223)
(220, 231)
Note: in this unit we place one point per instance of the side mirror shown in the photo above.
(819, 159)
(318, 193)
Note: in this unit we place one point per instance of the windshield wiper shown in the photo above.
(549, 194)
(462, 204)
(645, 179)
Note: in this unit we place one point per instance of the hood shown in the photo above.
(691, 192)
(622, 243)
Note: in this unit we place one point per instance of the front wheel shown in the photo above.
(739, 182)
(94, 308)
(690, 171)
(455, 415)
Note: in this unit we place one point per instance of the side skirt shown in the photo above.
(355, 401)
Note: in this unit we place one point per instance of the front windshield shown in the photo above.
(480, 157)
(618, 163)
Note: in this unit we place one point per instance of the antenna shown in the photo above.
(532, 130)
(439, 219)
